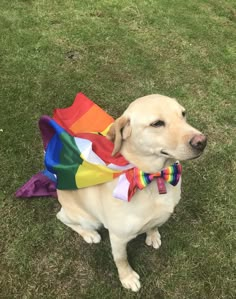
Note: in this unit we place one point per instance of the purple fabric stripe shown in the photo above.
(47, 131)
(38, 185)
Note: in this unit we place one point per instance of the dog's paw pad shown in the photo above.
(91, 237)
(154, 240)
(131, 282)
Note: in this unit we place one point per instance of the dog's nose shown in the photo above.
(198, 142)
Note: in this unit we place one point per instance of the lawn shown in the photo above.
(115, 51)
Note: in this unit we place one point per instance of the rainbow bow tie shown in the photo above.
(134, 179)
(170, 174)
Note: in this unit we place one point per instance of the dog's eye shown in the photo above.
(159, 123)
(184, 113)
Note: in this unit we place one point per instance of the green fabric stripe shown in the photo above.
(69, 163)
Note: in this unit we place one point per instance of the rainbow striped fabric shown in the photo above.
(78, 152)
(78, 155)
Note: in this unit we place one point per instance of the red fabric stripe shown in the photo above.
(133, 186)
(66, 117)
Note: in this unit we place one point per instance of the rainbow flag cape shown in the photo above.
(78, 155)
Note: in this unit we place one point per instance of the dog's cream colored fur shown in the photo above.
(150, 149)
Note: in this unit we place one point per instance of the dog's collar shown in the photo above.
(134, 179)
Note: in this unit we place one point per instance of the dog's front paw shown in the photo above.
(153, 239)
(91, 236)
(131, 281)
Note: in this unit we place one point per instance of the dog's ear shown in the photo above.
(118, 132)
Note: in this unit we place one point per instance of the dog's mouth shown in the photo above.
(164, 153)
(170, 156)
(195, 157)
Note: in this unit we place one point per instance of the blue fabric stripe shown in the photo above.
(52, 156)
(58, 129)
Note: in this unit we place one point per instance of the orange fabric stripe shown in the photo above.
(94, 120)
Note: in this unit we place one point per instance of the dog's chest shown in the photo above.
(148, 208)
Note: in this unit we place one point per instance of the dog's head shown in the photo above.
(153, 132)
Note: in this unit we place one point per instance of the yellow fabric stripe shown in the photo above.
(90, 174)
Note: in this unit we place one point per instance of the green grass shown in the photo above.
(115, 51)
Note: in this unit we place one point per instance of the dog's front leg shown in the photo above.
(128, 277)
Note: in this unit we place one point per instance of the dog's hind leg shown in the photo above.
(85, 228)
(128, 277)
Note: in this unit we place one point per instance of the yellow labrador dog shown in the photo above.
(151, 134)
